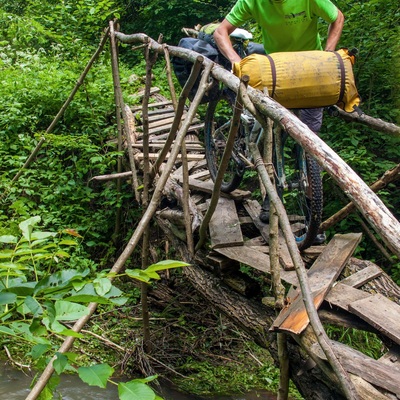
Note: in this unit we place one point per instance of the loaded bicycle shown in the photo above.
(297, 175)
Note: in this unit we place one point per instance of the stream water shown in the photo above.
(14, 385)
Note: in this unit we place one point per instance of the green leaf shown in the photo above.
(96, 375)
(60, 363)
(135, 390)
(27, 226)
(7, 331)
(102, 286)
(166, 264)
(8, 239)
(39, 235)
(68, 311)
(138, 275)
(59, 328)
(39, 349)
(10, 265)
(87, 298)
(7, 298)
(33, 305)
(37, 328)
(67, 242)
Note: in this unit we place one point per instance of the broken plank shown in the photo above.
(362, 277)
(255, 259)
(321, 278)
(224, 225)
(382, 313)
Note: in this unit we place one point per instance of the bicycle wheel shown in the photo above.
(303, 196)
(216, 130)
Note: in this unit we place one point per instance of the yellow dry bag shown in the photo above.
(303, 79)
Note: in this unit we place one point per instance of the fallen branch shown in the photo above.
(373, 123)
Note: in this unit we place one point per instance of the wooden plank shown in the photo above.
(153, 105)
(221, 263)
(164, 110)
(189, 147)
(161, 114)
(253, 208)
(224, 225)
(262, 249)
(245, 220)
(201, 175)
(362, 277)
(380, 312)
(165, 122)
(321, 277)
(208, 187)
(177, 174)
(257, 241)
(342, 295)
(154, 156)
(165, 128)
(373, 371)
(392, 357)
(256, 260)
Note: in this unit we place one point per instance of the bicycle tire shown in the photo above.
(216, 129)
(304, 199)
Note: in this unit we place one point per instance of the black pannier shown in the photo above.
(183, 67)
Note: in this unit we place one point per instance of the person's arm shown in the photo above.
(334, 32)
(221, 37)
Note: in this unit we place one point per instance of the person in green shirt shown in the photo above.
(286, 25)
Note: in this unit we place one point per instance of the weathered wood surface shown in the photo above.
(207, 187)
(256, 260)
(225, 226)
(376, 372)
(342, 295)
(322, 276)
(382, 313)
(361, 277)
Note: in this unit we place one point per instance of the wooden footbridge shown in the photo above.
(238, 237)
(161, 139)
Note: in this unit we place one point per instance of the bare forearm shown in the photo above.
(221, 37)
(334, 32)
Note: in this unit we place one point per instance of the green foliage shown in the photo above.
(172, 16)
(365, 342)
(39, 295)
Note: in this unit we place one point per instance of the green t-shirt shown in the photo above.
(287, 25)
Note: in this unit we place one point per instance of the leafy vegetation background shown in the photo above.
(44, 47)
